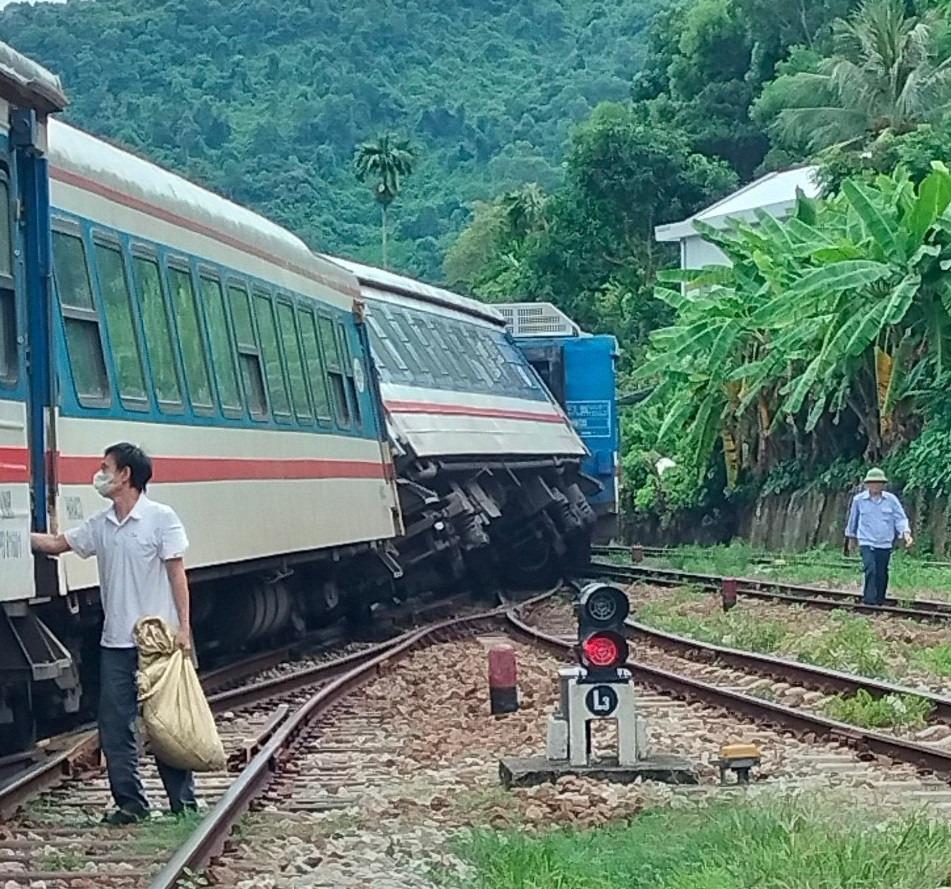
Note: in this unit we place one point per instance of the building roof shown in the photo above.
(774, 193)
(380, 279)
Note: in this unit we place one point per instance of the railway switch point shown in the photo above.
(503, 680)
(728, 590)
(738, 758)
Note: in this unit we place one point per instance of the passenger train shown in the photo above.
(332, 435)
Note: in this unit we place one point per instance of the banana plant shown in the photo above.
(842, 309)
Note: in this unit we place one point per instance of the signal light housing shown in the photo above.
(602, 650)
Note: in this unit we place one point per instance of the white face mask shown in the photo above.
(103, 482)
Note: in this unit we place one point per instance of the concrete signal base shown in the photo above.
(584, 701)
(529, 771)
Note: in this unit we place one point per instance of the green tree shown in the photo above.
(889, 73)
(821, 339)
(387, 161)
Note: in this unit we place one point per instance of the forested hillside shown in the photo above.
(265, 100)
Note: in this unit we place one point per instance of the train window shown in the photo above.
(463, 344)
(295, 363)
(387, 352)
(398, 334)
(83, 341)
(461, 371)
(222, 358)
(158, 337)
(315, 365)
(249, 356)
(189, 334)
(6, 229)
(8, 311)
(276, 384)
(425, 336)
(123, 342)
(328, 342)
(348, 370)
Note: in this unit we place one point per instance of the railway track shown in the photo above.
(323, 763)
(300, 760)
(775, 591)
(637, 552)
(681, 677)
(47, 843)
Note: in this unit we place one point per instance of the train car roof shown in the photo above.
(380, 279)
(91, 163)
(24, 81)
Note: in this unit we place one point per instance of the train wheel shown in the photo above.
(533, 565)
(20, 734)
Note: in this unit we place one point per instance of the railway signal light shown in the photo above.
(602, 648)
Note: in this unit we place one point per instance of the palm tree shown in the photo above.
(891, 71)
(388, 161)
(525, 210)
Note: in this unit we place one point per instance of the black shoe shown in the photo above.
(125, 815)
(183, 810)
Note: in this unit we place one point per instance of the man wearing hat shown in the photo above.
(875, 520)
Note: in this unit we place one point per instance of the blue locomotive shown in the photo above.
(579, 370)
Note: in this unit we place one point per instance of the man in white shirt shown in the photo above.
(140, 546)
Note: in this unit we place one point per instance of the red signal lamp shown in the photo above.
(604, 650)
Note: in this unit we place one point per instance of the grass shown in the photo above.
(165, 833)
(890, 711)
(779, 844)
(63, 860)
(936, 659)
(850, 644)
(735, 629)
(826, 566)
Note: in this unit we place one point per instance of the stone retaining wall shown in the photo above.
(792, 521)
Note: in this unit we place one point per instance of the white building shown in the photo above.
(774, 193)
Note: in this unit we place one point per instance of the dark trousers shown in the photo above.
(118, 708)
(875, 563)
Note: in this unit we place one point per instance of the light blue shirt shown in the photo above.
(876, 521)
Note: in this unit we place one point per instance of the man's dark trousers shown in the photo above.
(875, 562)
(118, 708)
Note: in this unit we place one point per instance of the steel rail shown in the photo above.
(209, 836)
(863, 740)
(637, 551)
(49, 771)
(785, 669)
(56, 766)
(772, 590)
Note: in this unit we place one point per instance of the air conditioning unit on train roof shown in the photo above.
(536, 319)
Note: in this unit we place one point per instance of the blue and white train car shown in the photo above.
(211, 337)
(487, 461)
(579, 369)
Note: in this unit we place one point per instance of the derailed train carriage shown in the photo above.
(488, 464)
(311, 477)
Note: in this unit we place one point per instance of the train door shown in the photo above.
(31, 657)
(16, 563)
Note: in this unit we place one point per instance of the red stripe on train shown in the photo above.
(174, 470)
(14, 465)
(433, 407)
(73, 470)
